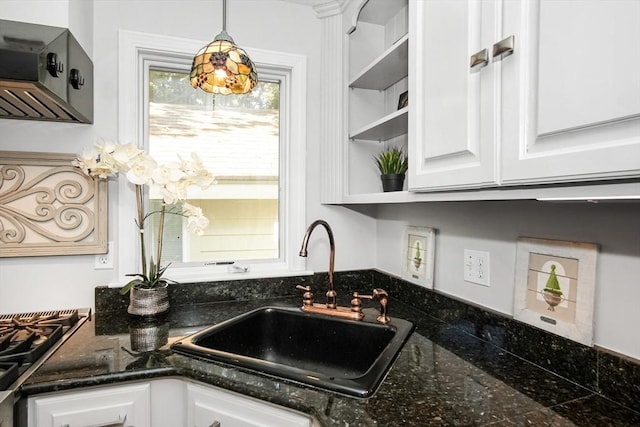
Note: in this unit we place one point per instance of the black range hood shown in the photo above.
(44, 74)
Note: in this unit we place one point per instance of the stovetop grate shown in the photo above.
(64, 317)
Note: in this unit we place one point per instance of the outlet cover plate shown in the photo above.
(105, 261)
(476, 267)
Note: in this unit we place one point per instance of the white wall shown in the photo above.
(495, 227)
(38, 283)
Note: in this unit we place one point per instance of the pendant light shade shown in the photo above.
(222, 67)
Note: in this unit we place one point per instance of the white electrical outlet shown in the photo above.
(105, 261)
(476, 267)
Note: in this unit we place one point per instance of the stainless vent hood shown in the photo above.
(44, 74)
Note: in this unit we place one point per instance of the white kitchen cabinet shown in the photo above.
(211, 407)
(124, 405)
(571, 98)
(166, 402)
(452, 120)
(563, 108)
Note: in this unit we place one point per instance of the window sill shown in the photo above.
(221, 273)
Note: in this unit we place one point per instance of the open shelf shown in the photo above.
(387, 69)
(389, 126)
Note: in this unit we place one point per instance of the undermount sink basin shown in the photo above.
(345, 356)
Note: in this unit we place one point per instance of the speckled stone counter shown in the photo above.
(444, 375)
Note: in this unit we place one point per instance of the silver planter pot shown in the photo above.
(148, 301)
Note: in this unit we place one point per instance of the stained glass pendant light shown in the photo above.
(222, 67)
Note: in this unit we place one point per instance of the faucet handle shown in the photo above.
(379, 294)
(383, 297)
(356, 301)
(307, 297)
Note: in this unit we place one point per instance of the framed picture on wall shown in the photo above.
(418, 255)
(555, 286)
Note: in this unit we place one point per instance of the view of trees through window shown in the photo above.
(238, 139)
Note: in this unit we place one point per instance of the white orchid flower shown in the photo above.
(190, 210)
(141, 170)
(125, 155)
(204, 179)
(93, 163)
(197, 224)
(173, 192)
(166, 174)
(106, 146)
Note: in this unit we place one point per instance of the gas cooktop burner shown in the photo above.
(25, 338)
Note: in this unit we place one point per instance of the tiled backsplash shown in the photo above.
(612, 376)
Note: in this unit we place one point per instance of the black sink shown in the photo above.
(345, 356)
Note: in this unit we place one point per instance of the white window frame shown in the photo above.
(138, 51)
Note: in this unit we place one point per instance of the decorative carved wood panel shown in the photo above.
(49, 207)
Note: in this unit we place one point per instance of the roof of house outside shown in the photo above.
(238, 146)
(233, 143)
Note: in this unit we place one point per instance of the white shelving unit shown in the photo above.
(379, 69)
(386, 70)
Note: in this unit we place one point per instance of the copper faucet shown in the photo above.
(331, 308)
(331, 293)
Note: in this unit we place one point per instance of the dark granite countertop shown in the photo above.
(442, 377)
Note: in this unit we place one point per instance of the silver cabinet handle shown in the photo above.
(119, 423)
(503, 48)
(215, 424)
(479, 60)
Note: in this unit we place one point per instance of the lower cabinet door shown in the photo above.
(209, 407)
(120, 406)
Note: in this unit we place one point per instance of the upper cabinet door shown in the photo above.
(571, 101)
(452, 83)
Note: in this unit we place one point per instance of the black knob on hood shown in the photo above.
(75, 78)
(54, 66)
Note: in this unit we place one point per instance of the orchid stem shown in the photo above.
(160, 232)
(143, 254)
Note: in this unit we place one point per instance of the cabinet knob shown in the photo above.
(503, 48)
(479, 60)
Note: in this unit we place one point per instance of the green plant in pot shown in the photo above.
(148, 290)
(392, 164)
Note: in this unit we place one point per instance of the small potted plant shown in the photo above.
(392, 164)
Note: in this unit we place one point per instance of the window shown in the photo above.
(238, 139)
(255, 144)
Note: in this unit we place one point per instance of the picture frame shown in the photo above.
(555, 286)
(403, 100)
(418, 255)
(50, 207)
